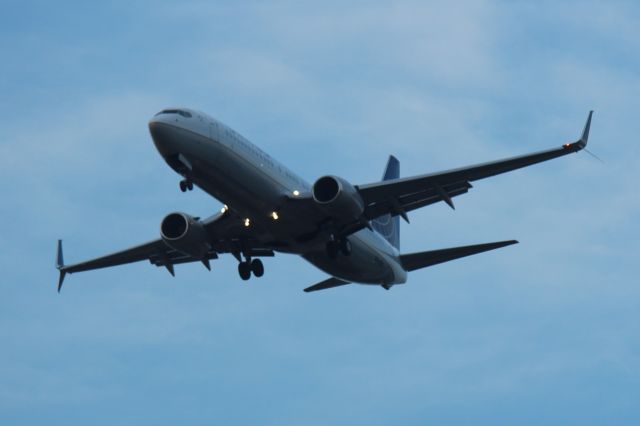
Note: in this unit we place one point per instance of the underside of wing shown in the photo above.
(223, 235)
(406, 202)
(133, 254)
(399, 196)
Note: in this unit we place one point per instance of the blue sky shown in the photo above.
(545, 332)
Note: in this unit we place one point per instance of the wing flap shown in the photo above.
(419, 191)
(419, 183)
(133, 254)
(226, 233)
(416, 200)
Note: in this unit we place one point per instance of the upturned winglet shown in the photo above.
(585, 133)
(581, 143)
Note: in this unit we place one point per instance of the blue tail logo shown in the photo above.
(388, 226)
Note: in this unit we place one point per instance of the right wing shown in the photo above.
(399, 196)
(226, 233)
(413, 261)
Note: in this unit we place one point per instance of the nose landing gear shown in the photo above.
(186, 185)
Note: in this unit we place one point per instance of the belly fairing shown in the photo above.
(369, 263)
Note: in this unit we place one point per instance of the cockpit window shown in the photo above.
(183, 113)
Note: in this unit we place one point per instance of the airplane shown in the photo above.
(351, 232)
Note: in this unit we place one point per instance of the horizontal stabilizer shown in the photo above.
(414, 261)
(328, 283)
(60, 265)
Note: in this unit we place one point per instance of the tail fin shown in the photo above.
(388, 226)
(60, 265)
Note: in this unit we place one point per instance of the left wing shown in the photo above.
(225, 233)
(399, 196)
(328, 283)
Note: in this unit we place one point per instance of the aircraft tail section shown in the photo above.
(60, 265)
(413, 261)
(389, 226)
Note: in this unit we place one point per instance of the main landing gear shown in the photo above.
(186, 185)
(248, 267)
(341, 246)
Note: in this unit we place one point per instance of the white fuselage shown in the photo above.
(254, 185)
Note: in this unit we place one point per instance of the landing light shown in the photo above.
(247, 222)
(274, 215)
(566, 145)
(296, 193)
(224, 208)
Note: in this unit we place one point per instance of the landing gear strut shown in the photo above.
(345, 247)
(186, 185)
(247, 267)
(334, 247)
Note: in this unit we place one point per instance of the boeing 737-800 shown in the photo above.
(351, 232)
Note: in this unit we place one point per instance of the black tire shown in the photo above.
(190, 185)
(244, 270)
(257, 268)
(183, 186)
(345, 247)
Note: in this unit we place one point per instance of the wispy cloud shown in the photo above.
(544, 326)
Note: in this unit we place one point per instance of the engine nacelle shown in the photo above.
(185, 234)
(338, 197)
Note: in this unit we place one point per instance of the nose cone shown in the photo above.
(163, 135)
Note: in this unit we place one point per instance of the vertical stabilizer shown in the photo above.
(388, 226)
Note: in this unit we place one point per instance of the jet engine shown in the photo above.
(185, 234)
(338, 197)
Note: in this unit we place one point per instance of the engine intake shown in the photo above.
(326, 189)
(338, 197)
(185, 234)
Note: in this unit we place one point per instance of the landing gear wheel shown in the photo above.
(244, 270)
(257, 267)
(186, 185)
(332, 249)
(345, 247)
